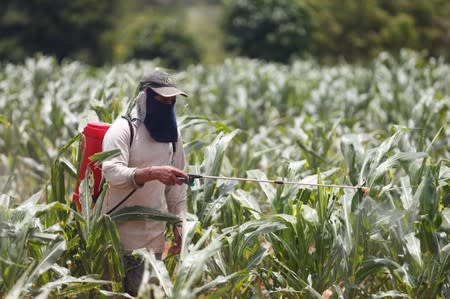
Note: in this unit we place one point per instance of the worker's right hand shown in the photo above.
(168, 175)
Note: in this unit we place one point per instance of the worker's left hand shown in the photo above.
(177, 232)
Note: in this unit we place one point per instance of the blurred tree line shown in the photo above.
(330, 30)
(75, 29)
(111, 31)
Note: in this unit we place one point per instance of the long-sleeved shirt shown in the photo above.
(119, 173)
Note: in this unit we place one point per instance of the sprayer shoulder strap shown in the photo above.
(130, 124)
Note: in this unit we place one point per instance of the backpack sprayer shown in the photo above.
(91, 143)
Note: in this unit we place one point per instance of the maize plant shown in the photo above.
(383, 127)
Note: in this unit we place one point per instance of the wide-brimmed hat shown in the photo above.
(161, 83)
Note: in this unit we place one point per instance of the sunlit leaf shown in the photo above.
(142, 213)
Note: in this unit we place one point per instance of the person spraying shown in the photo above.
(152, 163)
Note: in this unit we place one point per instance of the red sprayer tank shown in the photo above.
(91, 144)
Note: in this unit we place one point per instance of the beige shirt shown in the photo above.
(119, 173)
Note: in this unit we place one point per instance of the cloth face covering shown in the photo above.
(160, 119)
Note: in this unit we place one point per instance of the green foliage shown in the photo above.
(203, 21)
(142, 213)
(385, 125)
(51, 250)
(180, 33)
(331, 30)
(153, 36)
(267, 29)
(58, 110)
(357, 30)
(34, 250)
(72, 29)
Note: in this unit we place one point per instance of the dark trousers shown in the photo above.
(134, 270)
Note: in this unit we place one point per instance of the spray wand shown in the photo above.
(192, 177)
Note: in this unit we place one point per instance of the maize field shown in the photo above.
(384, 125)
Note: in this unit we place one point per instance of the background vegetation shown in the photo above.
(76, 29)
(186, 32)
(266, 29)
